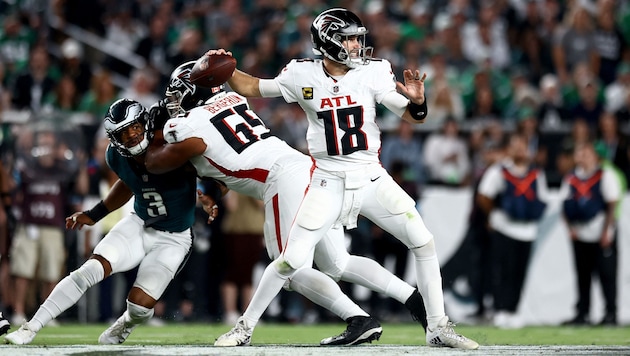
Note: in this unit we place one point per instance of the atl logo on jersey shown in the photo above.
(336, 101)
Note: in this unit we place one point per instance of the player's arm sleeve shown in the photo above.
(269, 88)
(176, 130)
(283, 84)
(395, 102)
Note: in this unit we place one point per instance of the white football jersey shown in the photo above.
(240, 152)
(341, 113)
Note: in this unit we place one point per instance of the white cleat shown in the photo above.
(117, 333)
(445, 336)
(240, 335)
(22, 336)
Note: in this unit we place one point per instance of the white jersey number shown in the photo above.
(240, 127)
(156, 204)
(349, 123)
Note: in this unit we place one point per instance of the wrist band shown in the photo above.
(418, 112)
(98, 212)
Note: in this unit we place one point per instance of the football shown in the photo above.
(212, 71)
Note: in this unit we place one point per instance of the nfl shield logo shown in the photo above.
(145, 178)
(335, 89)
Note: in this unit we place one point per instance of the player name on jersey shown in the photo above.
(221, 104)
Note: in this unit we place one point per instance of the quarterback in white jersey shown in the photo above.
(339, 94)
(226, 141)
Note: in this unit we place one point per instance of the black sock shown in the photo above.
(415, 304)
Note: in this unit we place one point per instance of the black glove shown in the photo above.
(158, 115)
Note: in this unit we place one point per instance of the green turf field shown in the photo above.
(393, 334)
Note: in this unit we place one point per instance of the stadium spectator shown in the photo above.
(590, 196)
(7, 227)
(31, 86)
(143, 85)
(74, 64)
(574, 42)
(445, 99)
(5, 93)
(49, 174)
(445, 33)
(623, 115)
(244, 242)
(524, 94)
(610, 46)
(580, 134)
(188, 47)
(445, 156)
(531, 40)
(486, 93)
(88, 15)
(404, 148)
(527, 126)
(485, 38)
(154, 46)
(512, 193)
(617, 92)
(124, 31)
(95, 103)
(552, 111)
(16, 43)
(617, 146)
(64, 99)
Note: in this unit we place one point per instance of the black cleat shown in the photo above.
(360, 329)
(579, 320)
(4, 325)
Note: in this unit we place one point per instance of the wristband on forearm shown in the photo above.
(98, 212)
(418, 112)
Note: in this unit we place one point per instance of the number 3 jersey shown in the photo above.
(240, 150)
(341, 111)
(164, 201)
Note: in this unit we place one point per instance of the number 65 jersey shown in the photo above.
(341, 111)
(240, 150)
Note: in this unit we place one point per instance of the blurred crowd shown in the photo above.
(557, 72)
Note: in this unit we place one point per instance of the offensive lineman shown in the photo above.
(225, 140)
(339, 94)
(157, 237)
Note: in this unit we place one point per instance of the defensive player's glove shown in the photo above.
(158, 115)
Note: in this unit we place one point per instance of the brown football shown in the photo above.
(212, 71)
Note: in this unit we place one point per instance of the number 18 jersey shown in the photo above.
(341, 111)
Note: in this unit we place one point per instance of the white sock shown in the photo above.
(270, 285)
(67, 292)
(322, 290)
(368, 273)
(429, 280)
